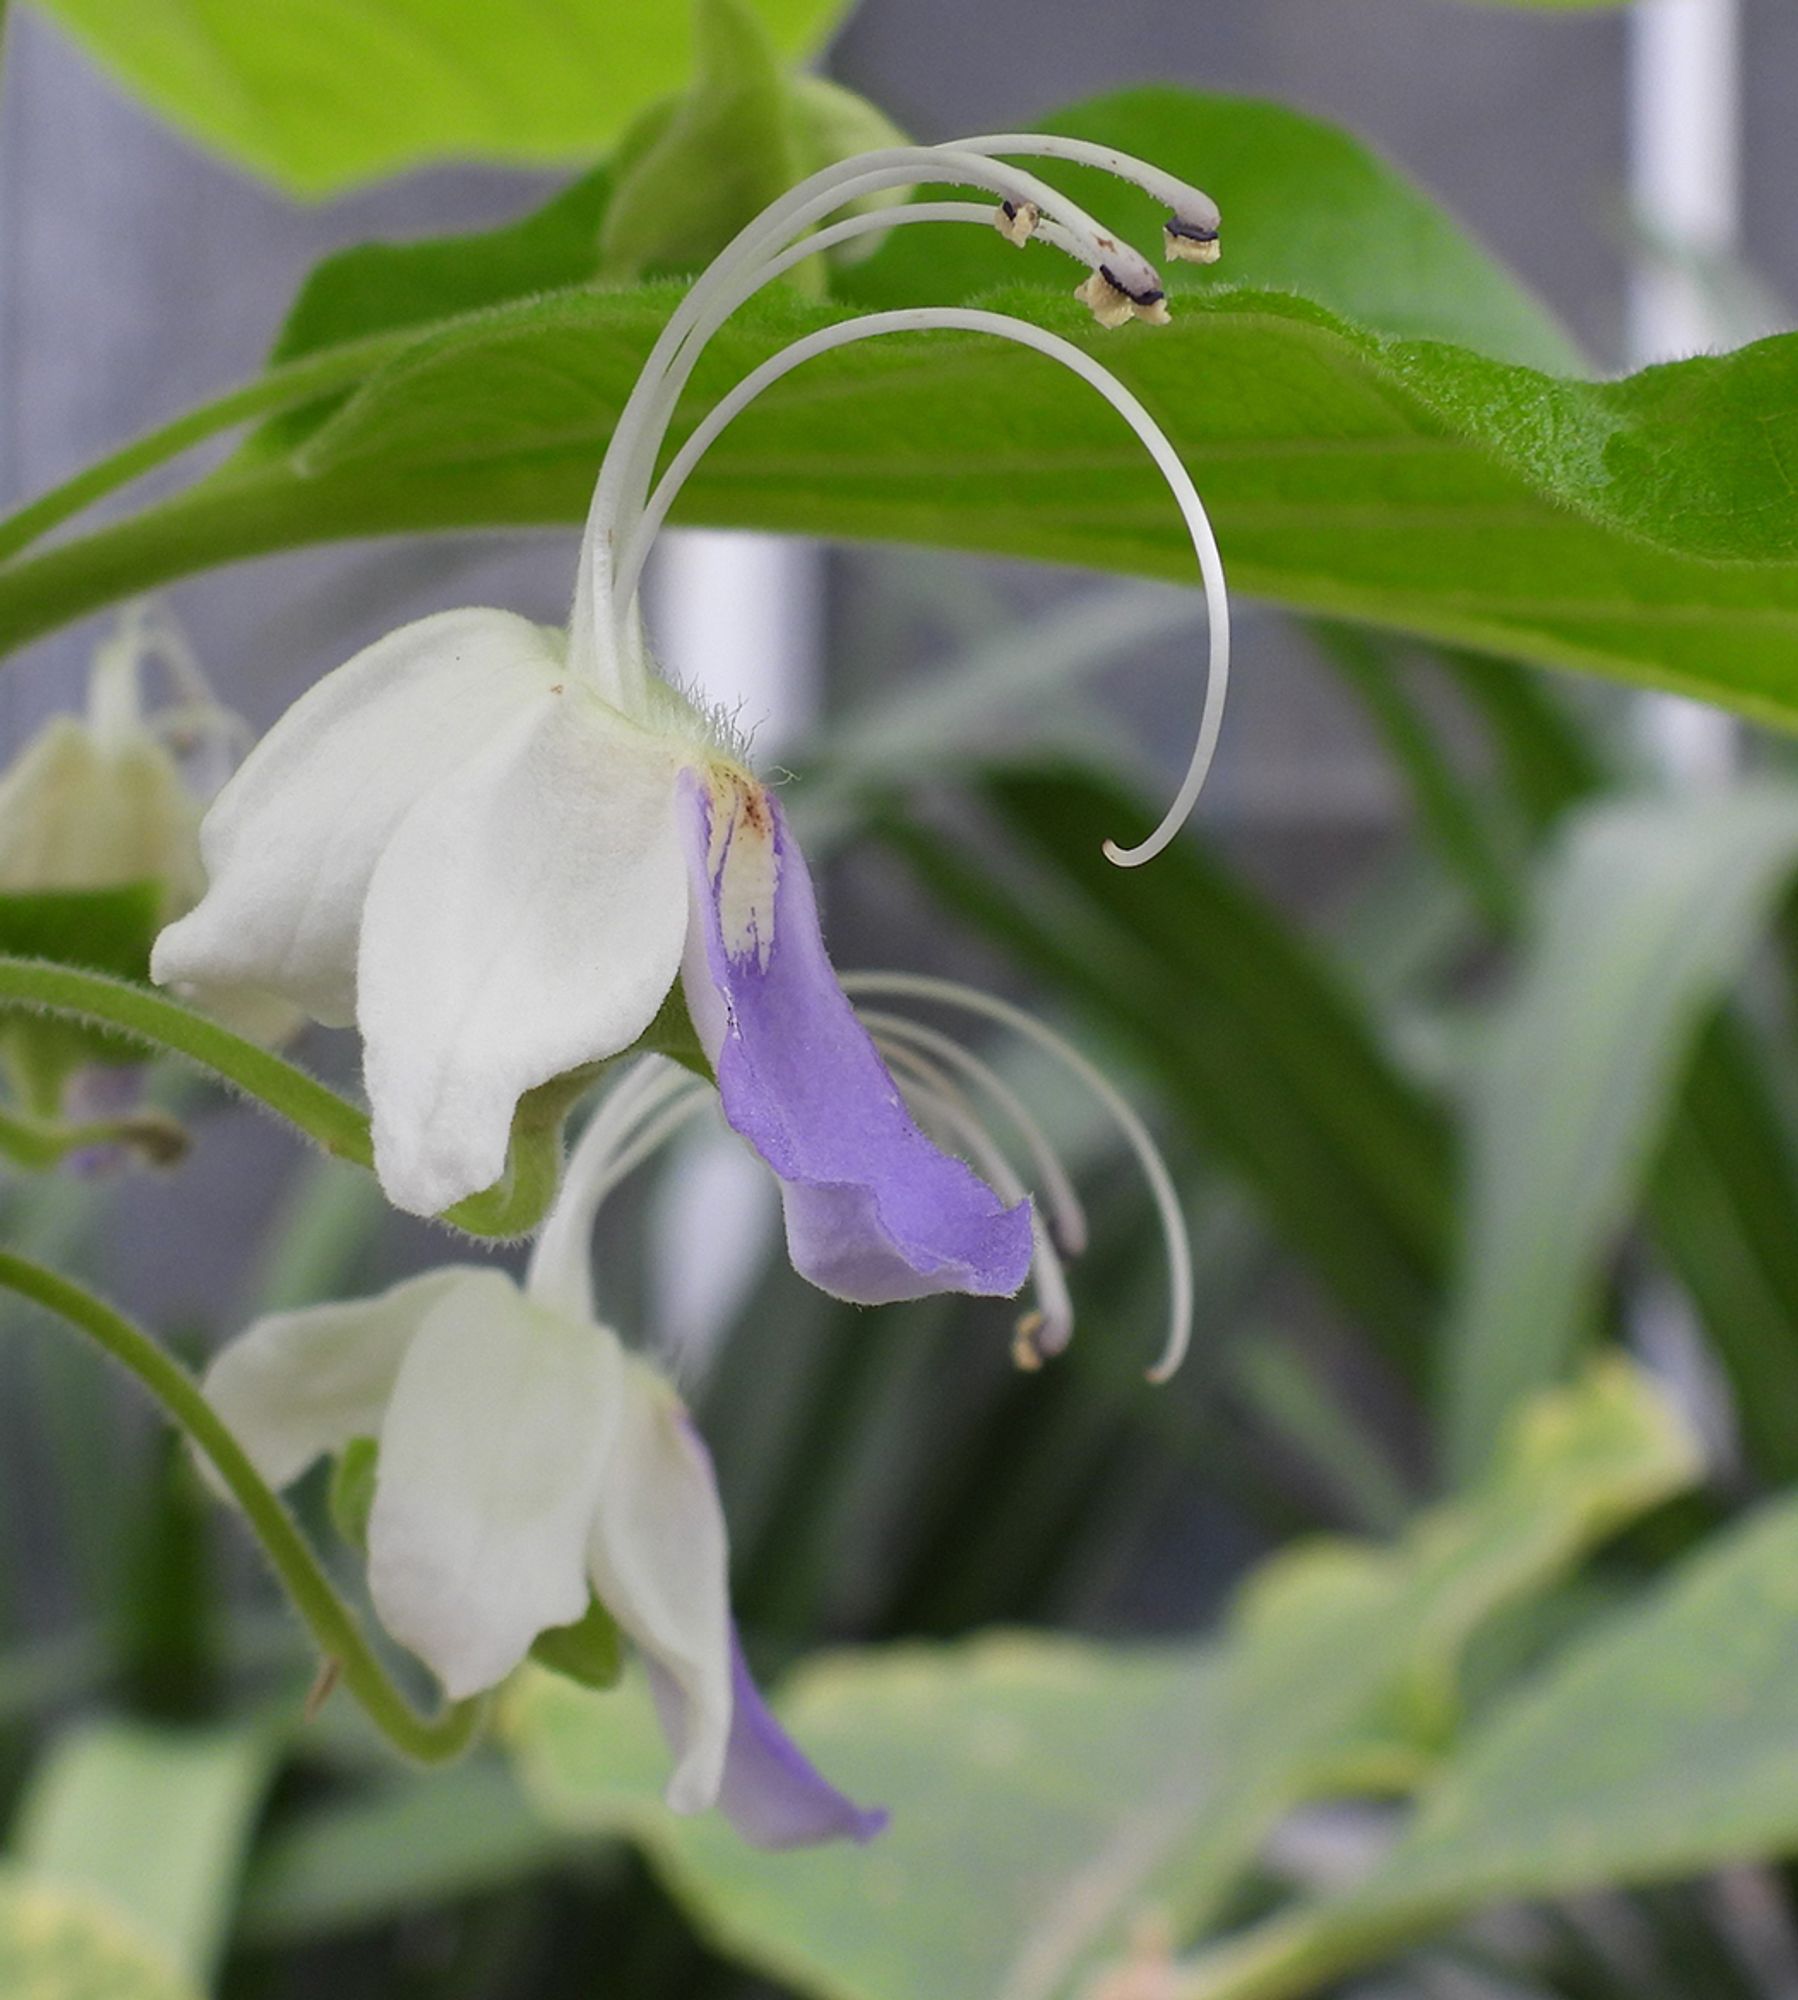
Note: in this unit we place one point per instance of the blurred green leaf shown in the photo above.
(152, 1821)
(406, 1846)
(1069, 1766)
(1257, 1044)
(317, 95)
(1340, 1661)
(1664, 1745)
(1722, 1192)
(1355, 461)
(58, 1943)
(1649, 911)
(1090, 1782)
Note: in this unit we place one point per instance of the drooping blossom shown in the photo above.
(495, 847)
(528, 1463)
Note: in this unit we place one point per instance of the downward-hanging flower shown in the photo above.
(526, 1465)
(494, 847)
(100, 800)
(99, 845)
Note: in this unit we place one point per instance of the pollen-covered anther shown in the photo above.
(1026, 1351)
(1112, 304)
(1016, 221)
(1190, 242)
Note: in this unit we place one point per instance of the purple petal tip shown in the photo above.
(876, 1212)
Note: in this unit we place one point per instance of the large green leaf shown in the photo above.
(1042, 1790)
(153, 1821)
(1650, 910)
(319, 94)
(1355, 460)
(61, 1944)
(1663, 1746)
(1340, 1664)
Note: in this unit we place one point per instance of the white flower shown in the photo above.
(527, 1463)
(492, 846)
(100, 800)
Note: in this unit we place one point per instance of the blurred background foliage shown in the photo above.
(1490, 1151)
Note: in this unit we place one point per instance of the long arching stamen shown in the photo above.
(1192, 232)
(1048, 1327)
(737, 272)
(1023, 333)
(1067, 1215)
(948, 993)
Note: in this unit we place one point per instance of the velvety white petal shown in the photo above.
(660, 1564)
(298, 1384)
(528, 917)
(491, 1460)
(292, 840)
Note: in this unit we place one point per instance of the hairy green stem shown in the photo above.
(39, 1144)
(282, 388)
(513, 1206)
(160, 1024)
(430, 1739)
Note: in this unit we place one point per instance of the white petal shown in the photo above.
(491, 1459)
(291, 841)
(527, 917)
(298, 1384)
(660, 1564)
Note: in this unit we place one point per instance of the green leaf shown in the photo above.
(1089, 1782)
(406, 1848)
(375, 287)
(1063, 1760)
(317, 95)
(1650, 910)
(63, 1944)
(1341, 1657)
(1664, 1745)
(1254, 1039)
(154, 1821)
(1359, 465)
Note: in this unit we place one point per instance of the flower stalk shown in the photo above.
(345, 1648)
(510, 1208)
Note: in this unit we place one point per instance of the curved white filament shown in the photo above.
(948, 993)
(560, 1269)
(963, 319)
(643, 421)
(1190, 205)
(1049, 1326)
(1065, 1209)
(742, 268)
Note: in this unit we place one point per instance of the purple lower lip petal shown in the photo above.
(875, 1211)
(773, 1794)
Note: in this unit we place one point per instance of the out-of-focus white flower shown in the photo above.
(527, 1463)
